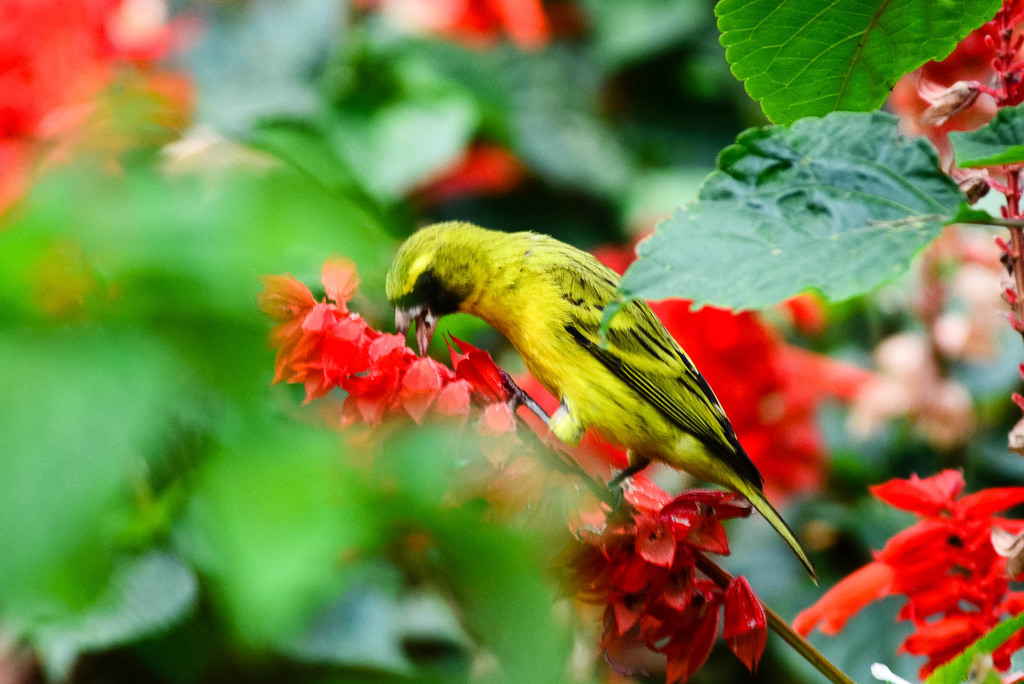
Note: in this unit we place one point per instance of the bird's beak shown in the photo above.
(426, 324)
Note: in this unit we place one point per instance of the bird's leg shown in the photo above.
(638, 464)
(517, 397)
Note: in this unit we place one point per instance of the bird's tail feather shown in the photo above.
(764, 507)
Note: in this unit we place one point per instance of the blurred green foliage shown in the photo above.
(169, 516)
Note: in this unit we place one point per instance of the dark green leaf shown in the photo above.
(1000, 141)
(838, 205)
(802, 58)
(955, 671)
(400, 146)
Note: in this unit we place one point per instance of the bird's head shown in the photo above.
(436, 270)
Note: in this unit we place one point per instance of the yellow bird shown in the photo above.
(640, 390)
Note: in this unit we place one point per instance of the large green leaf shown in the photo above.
(956, 670)
(838, 205)
(84, 409)
(805, 58)
(1000, 141)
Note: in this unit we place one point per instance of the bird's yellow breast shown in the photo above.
(533, 312)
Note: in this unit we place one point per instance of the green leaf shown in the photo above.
(145, 596)
(267, 523)
(1000, 141)
(802, 58)
(556, 129)
(400, 146)
(496, 576)
(85, 408)
(546, 105)
(362, 629)
(626, 32)
(965, 213)
(838, 205)
(956, 670)
(261, 59)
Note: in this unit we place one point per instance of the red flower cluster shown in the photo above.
(323, 345)
(55, 57)
(956, 584)
(474, 22)
(642, 564)
(769, 390)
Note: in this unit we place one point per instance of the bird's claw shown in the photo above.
(517, 397)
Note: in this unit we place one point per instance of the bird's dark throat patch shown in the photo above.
(430, 293)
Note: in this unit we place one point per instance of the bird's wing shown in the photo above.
(642, 354)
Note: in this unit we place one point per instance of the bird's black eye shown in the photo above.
(430, 292)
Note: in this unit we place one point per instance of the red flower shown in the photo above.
(846, 599)
(483, 170)
(477, 367)
(745, 623)
(641, 564)
(925, 497)
(324, 346)
(955, 582)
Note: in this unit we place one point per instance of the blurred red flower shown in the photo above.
(485, 169)
(474, 22)
(56, 56)
(640, 562)
(956, 584)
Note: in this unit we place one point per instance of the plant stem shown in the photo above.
(779, 626)
(1009, 78)
(1011, 94)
